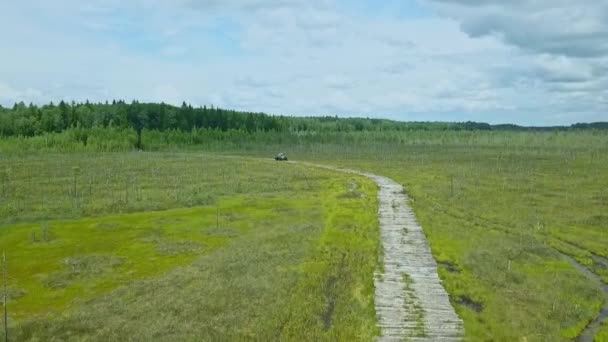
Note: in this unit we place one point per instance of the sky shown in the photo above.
(530, 62)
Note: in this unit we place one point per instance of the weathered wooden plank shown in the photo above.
(410, 300)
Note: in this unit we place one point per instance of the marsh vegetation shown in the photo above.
(203, 248)
(132, 238)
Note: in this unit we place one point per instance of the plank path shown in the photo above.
(411, 303)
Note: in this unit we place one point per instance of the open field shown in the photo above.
(502, 211)
(263, 251)
(497, 219)
(498, 210)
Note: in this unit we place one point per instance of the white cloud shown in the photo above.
(567, 42)
(314, 57)
(564, 27)
(10, 95)
(563, 69)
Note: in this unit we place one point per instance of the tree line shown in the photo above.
(31, 120)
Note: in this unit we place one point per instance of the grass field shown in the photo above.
(497, 218)
(263, 250)
(502, 211)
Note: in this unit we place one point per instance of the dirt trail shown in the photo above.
(411, 303)
(594, 326)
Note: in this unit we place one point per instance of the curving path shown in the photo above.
(411, 303)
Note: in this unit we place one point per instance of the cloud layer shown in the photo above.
(529, 62)
(566, 40)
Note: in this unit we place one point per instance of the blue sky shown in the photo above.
(532, 62)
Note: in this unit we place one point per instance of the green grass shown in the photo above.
(499, 210)
(497, 219)
(86, 257)
(602, 335)
(291, 256)
(38, 187)
(412, 306)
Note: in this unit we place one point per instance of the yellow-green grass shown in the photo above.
(290, 258)
(602, 335)
(81, 258)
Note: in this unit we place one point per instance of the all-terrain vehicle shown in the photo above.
(281, 157)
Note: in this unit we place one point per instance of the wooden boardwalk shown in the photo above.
(411, 303)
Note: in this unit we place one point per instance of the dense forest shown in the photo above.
(31, 120)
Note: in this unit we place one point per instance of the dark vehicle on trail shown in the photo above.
(281, 157)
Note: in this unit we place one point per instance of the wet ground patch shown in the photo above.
(449, 266)
(330, 302)
(467, 302)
